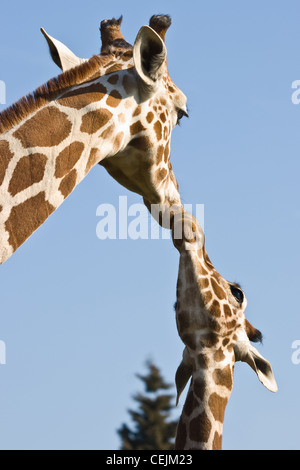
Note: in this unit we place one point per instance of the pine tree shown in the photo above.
(153, 429)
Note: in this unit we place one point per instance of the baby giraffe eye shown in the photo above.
(237, 294)
(180, 114)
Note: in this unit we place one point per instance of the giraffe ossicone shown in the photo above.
(211, 323)
(117, 109)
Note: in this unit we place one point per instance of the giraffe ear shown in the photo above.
(149, 55)
(182, 377)
(61, 54)
(183, 374)
(244, 351)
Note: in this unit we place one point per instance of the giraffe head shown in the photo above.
(146, 106)
(117, 109)
(210, 314)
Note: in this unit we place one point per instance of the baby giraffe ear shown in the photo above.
(183, 374)
(149, 55)
(244, 351)
(61, 54)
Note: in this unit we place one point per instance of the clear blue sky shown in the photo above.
(80, 316)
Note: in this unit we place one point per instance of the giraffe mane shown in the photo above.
(17, 112)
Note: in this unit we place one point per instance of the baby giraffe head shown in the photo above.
(210, 315)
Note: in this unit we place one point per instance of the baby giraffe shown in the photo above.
(211, 323)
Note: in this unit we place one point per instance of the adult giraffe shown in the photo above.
(210, 314)
(117, 109)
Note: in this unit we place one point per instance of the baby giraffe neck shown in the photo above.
(201, 423)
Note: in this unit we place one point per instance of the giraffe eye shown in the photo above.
(237, 294)
(180, 114)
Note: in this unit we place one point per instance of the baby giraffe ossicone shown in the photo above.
(211, 323)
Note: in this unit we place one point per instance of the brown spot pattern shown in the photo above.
(200, 428)
(25, 218)
(203, 271)
(68, 158)
(207, 296)
(159, 154)
(231, 324)
(83, 96)
(113, 99)
(94, 120)
(223, 377)
(209, 340)
(202, 361)
(93, 159)
(217, 289)
(108, 132)
(5, 157)
(113, 79)
(217, 406)
(189, 340)
(163, 117)
(118, 141)
(136, 127)
(29, 170)
(181, 435)
(150, 117)
(227, 310)
(183, 321)
(215, 309)
(167, 152)
(204, 282)
(199, 388)
(37, 131)
(137, 111)
(219, 355)
(217, 442)
(68, 183)
(158, 130)
(161, 173)
(166, 132)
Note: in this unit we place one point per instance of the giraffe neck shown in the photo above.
(46, 155)
(201, 421)
(209, 356)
